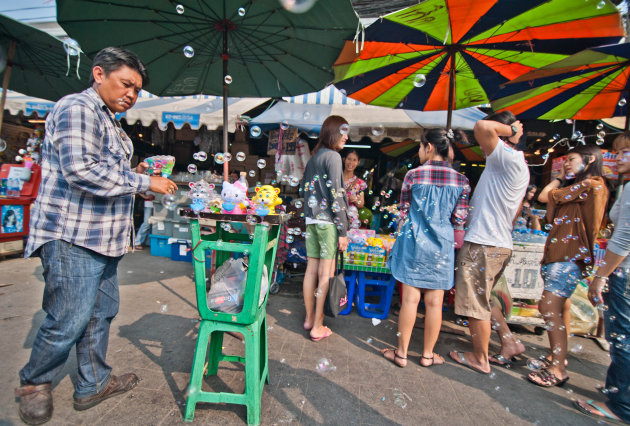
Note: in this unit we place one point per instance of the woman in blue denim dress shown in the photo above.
(434, 199)
(615, 302)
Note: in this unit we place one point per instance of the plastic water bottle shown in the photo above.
(10, 186)
(14, 187)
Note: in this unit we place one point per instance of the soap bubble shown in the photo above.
(534, 364)
(164, 308)
(252, 173)
(312, 201)
(202, 156)
(179, 8)
(601, 4)
(599, 141)
(306, 115)
(419, 80)
(622, 102)
(251, 220)
(601, 134)
(240, 156)
(378, 130)
(227, 79)
(3, 144)
(289, 239)
(168, 201)
(261, 163)
(298, 6)
(241, 11)
(189, 52)
(324, 366)
(284, 125)
(219, 158)
(298, 204)
(577, 348)
(71, 46)
(599, 126)
(192, 168)
(344, 129)
(255, 132)
(294, 181)
(548, 227)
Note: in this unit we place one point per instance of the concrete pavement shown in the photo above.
(154, 335)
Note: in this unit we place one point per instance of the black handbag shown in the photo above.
(337, 297)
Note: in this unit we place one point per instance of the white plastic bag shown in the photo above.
(226, 289)
(227, 284)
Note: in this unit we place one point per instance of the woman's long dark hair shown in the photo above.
(330, 133)
(596, 168)
(441, 140)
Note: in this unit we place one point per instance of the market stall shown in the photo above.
(19, 187)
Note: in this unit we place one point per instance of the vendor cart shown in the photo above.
(15, 205)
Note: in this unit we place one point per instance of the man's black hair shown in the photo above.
(113, 58)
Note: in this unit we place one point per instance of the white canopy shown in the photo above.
(308, 111)
(194, 110)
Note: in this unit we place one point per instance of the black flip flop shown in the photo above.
(501, 361)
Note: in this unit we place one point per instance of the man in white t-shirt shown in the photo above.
(488, 242)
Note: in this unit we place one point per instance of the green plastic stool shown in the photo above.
(250, 322)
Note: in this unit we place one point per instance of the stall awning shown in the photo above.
(307, 112)
(193, 110)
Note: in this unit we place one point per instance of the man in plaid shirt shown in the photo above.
(80, 228)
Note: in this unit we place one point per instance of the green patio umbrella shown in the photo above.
(37, 63)
(241, 47)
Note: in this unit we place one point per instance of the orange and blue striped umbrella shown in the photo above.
(452, 54)
(589, 85)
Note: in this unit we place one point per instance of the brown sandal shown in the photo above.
(432, 359)
(396, 356)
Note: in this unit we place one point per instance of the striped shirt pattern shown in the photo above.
(87, 189)
(441, 174)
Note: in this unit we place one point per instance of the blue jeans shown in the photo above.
(143, 231)
(80, 300)
(617, 320)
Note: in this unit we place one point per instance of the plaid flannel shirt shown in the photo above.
(441, 174)
(87, 189)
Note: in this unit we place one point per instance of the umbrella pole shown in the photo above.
(5, 80)
(451, 92)
(225, 102)
(625, 127)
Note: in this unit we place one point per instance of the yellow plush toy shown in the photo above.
(266, 199)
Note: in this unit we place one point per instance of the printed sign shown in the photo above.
(12, 219)
(41, 108)
(179, 119)
(522, 273)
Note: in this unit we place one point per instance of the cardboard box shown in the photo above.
(239, 147)
(12, 247)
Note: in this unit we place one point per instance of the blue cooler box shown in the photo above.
(180, 251)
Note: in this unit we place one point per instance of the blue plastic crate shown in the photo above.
(180, 251)
(159, 246)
